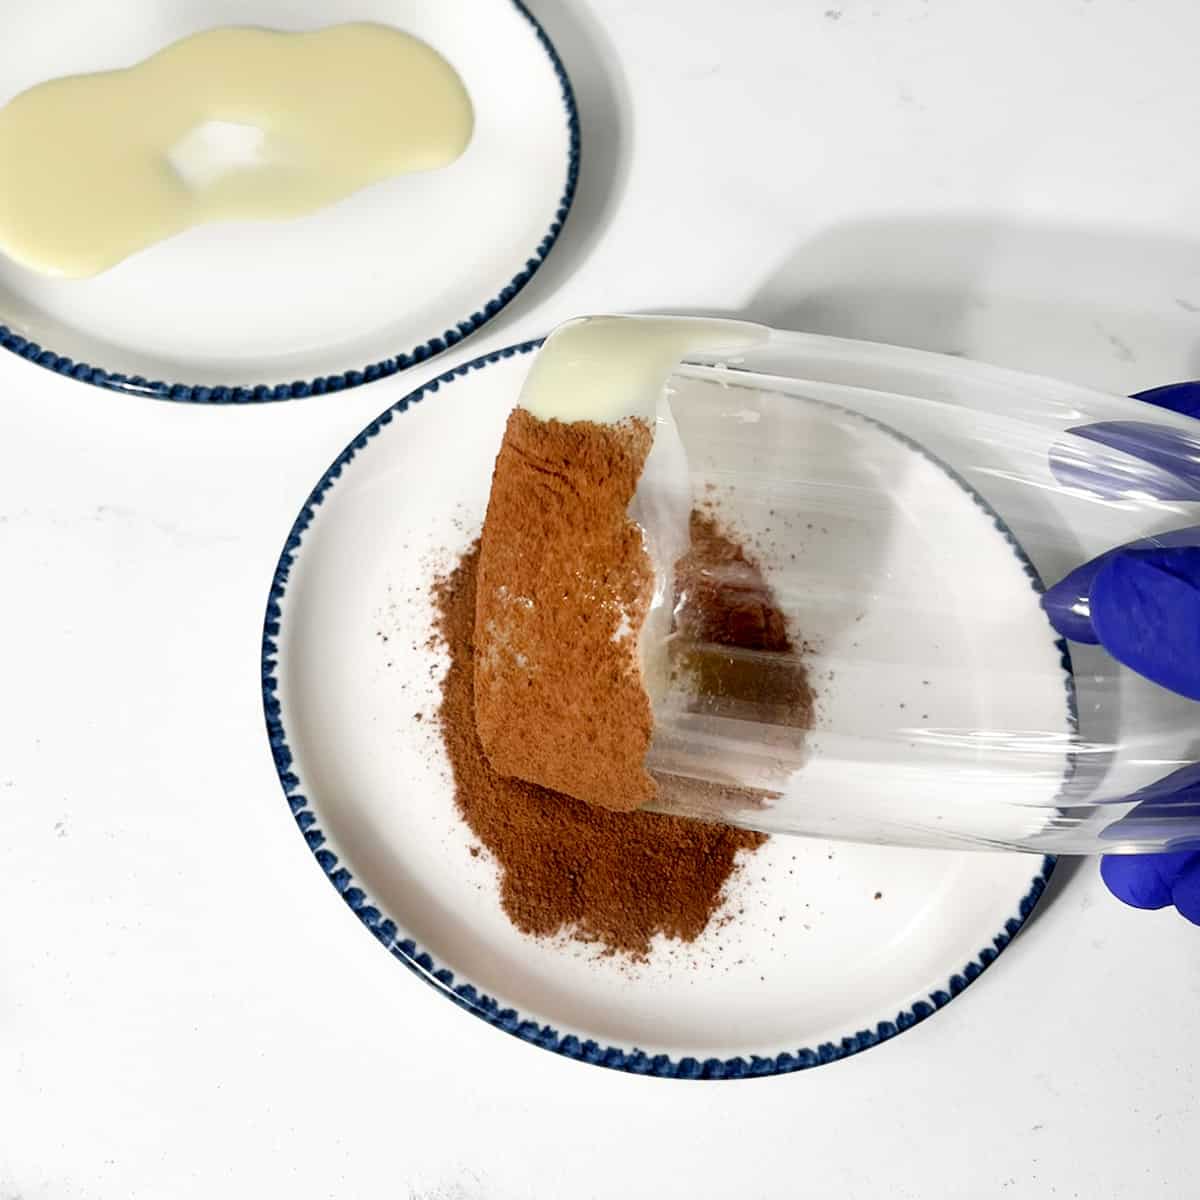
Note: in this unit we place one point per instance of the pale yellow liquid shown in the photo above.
(229, 124)
(605, 369)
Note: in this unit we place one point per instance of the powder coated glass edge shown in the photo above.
(261, 393)
(465, 994)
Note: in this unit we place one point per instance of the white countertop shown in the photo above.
(186, 1010)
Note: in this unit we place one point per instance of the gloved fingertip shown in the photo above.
(1178, 397)
(1066, 605)
(1124, 459)
(1145, 609)
(1135, 880)
(1185, 893)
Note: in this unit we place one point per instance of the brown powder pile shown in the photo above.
(564, 584)
(541, 620)
(617, 879)
(733, 647)
(734, 658)
(724, 597)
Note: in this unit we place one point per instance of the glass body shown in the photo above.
(906, 511)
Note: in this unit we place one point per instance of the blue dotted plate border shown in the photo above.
(466, 995)
(197, 394)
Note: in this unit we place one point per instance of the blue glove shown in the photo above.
(1141, 602)
(1156, 880)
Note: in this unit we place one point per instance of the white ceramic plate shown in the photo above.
(813, 968)
(382, 280)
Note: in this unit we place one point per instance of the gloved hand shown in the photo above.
(1141, 602)
(1156, 880)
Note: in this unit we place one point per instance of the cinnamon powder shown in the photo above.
(733, 645)
(544, 680)
(564, 585)
(617, 879)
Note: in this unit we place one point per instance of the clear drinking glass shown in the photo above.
(907, 511)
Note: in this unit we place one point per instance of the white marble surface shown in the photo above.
(185, 1008)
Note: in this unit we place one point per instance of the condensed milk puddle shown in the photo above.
(229, 124)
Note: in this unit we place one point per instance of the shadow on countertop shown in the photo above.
(1114, 309)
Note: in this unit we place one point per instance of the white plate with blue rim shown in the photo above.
(382, 280)
(829, 949)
